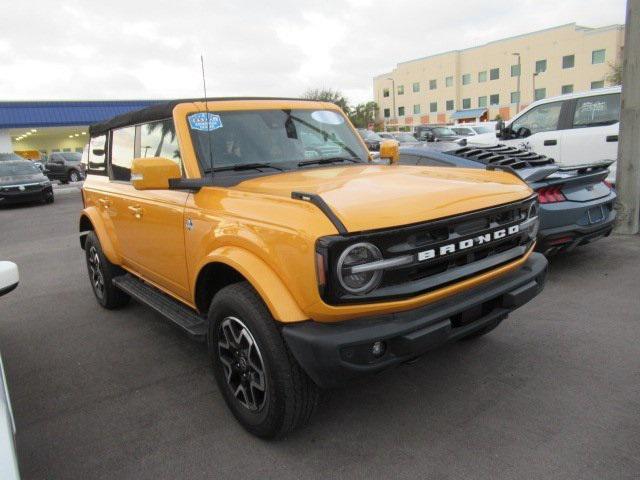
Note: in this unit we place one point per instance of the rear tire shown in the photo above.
(74, 176)
(262, 384)
(101, 275)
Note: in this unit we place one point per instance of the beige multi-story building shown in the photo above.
(497, 78)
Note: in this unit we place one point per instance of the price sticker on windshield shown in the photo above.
(205, 121)
(327, 116)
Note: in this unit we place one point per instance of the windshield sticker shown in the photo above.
(205, 121)
(327, 116)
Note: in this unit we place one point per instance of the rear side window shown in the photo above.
(123, 142)
(596, 111)
(542, 118)
(96, 158)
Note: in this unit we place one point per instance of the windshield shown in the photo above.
(484, 129)
(280, 137)
(462, 131)
(10, 156)
(369, 135)
(12, 169)
(443, 131)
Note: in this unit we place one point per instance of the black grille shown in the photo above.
(503, 155)
(421, 276)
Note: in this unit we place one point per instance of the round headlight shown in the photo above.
(359, 282)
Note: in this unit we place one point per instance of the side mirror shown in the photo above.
(153, 173)
(500, 129)
(9, 277)
(390, 150)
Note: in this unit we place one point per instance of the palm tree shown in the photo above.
(166, 128)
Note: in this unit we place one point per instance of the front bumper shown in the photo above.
(28, 195)
(332, 354)
(566, 225)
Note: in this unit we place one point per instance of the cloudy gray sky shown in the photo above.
(74, 49)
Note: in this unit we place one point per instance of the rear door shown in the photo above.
(55, 166)
(593, 133)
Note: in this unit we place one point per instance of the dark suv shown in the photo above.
(64, 166)
(435, 133)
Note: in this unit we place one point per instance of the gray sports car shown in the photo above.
(576, 203)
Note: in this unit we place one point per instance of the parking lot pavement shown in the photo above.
(553, 393)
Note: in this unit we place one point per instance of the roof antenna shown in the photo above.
(206, 107)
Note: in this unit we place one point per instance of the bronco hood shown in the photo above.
(369, 197)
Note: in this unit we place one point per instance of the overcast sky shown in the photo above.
(66, 49)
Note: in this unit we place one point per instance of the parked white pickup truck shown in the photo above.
(573, 129)
(9, 279)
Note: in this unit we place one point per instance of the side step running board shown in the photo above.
(168, 307)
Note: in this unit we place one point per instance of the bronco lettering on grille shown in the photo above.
(449, 248)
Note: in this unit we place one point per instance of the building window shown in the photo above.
(466, 103)
(540, 93)
(568, 61)
(450, 105)
(433, 84)
(400, 89)
(385, 92)
(567, 89)
(416, 87)
(494, 99)
(494, 74)
(515, 97)
(597, 84)
(482, 76)
(387, 113)
(416, 109)
(466, 79)
(515, 70)
(448, 82)
(401, 111)
(433, 107)
(541, 66)
(597, 56)
(482, 102)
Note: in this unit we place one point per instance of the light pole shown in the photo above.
(518, 87)
(533, 81)
(393, 98)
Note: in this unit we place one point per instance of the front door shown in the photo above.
(538, 130)
(149, 224)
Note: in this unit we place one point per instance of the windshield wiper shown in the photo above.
(322, 161)
(244, 166)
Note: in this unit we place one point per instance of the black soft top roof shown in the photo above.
(161, 111)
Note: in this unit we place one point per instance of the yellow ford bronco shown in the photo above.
(263, 227)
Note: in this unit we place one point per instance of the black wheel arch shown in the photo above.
(211, 279)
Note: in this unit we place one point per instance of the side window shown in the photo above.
(122, 151)
(542, 118)
(596, 111)
(96, 156)
(158, 139)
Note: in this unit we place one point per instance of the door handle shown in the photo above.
(136, 210)
(612, 138)
(104, 202)
(548, 143)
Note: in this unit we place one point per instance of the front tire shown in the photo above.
(101, 274)
(262, 384)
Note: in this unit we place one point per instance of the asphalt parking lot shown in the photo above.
(553, 393)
